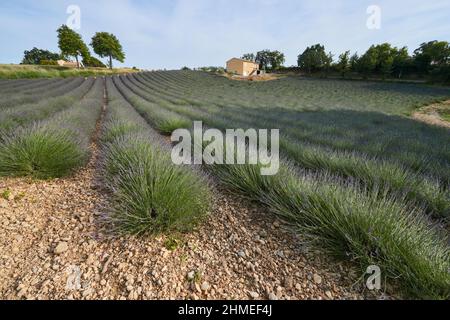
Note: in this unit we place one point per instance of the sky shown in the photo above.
(170, 34)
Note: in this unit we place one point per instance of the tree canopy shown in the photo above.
(433, 53)
(314, 58)
(343, 65)
(71, 43)
(249, 56)
(35, 56)
(93, 62)
(107, 45)
(268, 60)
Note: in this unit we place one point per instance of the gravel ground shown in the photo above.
(52, 247)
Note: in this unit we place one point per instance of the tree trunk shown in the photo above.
(78, 63)
(110, 62)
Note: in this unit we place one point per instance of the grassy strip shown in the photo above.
(55, 147)
(13, 118)
(369, 228)
(151, 195)
(33, 72)
(163, 120)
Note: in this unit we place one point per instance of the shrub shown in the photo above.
(55, 147)
(48, 63)
(40, 153)
(150, 194)
(368, 228)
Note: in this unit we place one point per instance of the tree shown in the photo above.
(432, 54)
(270, 60)
(93, 62)
(35, 56)
(249, 57)
(367, 62)
(378, 59)
(107, 45)
(402, 62)
(314, 58)
(71, 44)
(343, 65)
(328, 62)
(276, 59)
(385, 58)
(354, 59)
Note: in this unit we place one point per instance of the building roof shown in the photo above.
(243, 60)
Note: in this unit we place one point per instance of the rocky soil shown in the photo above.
(51, 247)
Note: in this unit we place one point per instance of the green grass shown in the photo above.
(33, 72)
(445, 114)
(150, 194)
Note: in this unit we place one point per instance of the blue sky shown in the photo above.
(159, 34)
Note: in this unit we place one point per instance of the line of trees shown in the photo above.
(431, 60)
(71, 44)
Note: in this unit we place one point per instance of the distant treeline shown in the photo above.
(430, 61)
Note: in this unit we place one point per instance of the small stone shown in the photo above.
(329, 294)
(241, 254)
(61, 248)
(273, 297)
(88, 292)
(22, 293)
(191, 276)
(317, 279)
(3, 203)
(205, 286)
(288, 283)
(15, 250)
(254, 295)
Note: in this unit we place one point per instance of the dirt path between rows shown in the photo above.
(52, 248)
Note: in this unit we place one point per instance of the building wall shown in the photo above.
(249, 68)
(235, 66)
(240, 67)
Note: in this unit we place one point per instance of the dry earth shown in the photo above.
(51, 247)
(431, 114)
